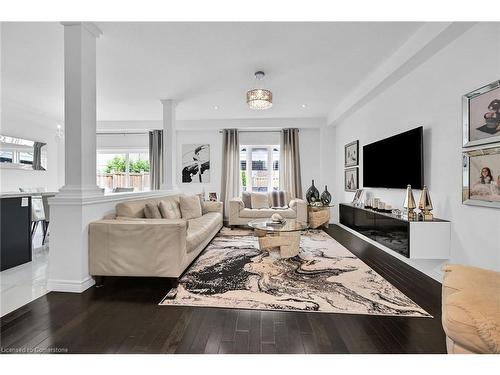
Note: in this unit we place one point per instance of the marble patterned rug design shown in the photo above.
(326, 277)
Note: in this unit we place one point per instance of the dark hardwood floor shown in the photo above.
(124, 317)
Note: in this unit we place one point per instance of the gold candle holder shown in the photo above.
(409, 204)
(425, 204)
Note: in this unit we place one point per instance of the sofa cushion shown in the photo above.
(151, 211)
(190, 207)
(259, 200)
(247, 199)
(278, 199)
(169, 209)
(135, 208)
(199, 229)
(267, 213)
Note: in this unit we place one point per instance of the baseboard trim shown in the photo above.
(70, 286)
(413, 263)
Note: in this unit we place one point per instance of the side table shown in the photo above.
(318, 216)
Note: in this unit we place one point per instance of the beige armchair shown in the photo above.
(241, 215)
(471, 309)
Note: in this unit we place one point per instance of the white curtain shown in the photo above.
(290, 176)
(156, 159)
(230, 184)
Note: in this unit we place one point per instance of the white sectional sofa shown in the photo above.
(132, 245)
(239, 214)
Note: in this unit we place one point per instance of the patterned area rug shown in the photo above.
(233, 273)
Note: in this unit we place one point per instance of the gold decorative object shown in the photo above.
(425, 204)
(409, 204)
(259, 98)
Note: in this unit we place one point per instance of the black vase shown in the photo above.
(312, 194)
(326, 197)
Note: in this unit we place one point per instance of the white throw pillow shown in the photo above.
(259, 200)
(190, 207)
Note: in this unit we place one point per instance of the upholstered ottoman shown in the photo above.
(471, 309)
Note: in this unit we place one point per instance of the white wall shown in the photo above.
(431, 96)
(17, 121)
(214, 139)
(309, 147)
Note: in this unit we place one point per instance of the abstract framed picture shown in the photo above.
(481, 177)
(351, 179)
(351, 152)
(195, 163)
(481, 115)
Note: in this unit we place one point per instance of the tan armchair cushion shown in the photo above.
(190, 207)
(259, 200)
(471, 308)
(169, 209)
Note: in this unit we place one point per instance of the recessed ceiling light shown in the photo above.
(216, 107)
(303, 105)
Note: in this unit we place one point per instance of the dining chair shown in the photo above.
(46, 211)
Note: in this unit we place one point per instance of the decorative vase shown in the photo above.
(425, 204)
(326, 197)
(312, 194)
(409, 204)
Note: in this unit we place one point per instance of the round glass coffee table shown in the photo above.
(285, 237)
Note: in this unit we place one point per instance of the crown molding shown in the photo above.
(89, 26)
(422, 45)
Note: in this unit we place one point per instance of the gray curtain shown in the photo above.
(290, 176)
(37, 156)
(156, 159)
(230, 184)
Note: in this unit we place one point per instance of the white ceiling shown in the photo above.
(201, 65)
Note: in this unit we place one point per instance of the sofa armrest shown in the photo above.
(299, 206)
(148, 247)
(209, 206)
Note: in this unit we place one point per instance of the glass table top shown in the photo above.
(290, 225)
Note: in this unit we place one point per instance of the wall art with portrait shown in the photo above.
(481, 177)
(195, 163)
(351, 152)
(481, 115)
(351, 181)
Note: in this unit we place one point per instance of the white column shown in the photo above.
(80, 109)
(169, 145)
(72, 210)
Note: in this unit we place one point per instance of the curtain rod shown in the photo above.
(257, 131)
(122, 133)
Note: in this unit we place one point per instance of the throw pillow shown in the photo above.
(259, 200)
(151, 211)
(246, 198)
(278, 199)
(169, 209)
(190, 207)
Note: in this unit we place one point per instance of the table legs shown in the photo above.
(287, 242)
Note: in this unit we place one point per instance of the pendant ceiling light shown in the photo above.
(259, 98)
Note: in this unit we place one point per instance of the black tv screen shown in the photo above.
(395, 162)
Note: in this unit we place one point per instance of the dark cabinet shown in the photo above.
(15, 238)
(391, 232)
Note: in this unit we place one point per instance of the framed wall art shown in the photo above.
(351, 181)
(481, 177)
(351, 153)
(481, 115)
(195, 163)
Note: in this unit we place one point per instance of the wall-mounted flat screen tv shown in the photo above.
(395, 162)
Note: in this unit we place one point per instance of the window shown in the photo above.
(123, 170)
(259, 168)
